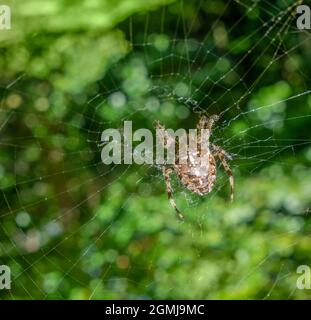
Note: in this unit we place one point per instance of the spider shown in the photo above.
(190, 172)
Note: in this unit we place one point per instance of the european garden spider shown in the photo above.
(191, 174)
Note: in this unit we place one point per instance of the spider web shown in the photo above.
(75, 228)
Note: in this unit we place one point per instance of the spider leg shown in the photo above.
(168, 143)
(207, 122)
(167, 139)
(166, 173)
(216, 149)
(223, 155)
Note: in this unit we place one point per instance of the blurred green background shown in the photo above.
(74, 228)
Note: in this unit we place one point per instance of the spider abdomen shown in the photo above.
(197, 178)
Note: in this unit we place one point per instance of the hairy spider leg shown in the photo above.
(166, 173)
(222, 155)
(207, 122)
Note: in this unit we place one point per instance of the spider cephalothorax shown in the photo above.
(192, 174)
